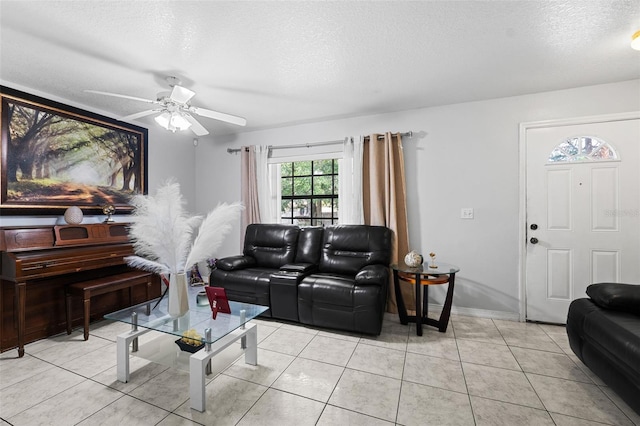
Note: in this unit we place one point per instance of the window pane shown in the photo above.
(323, 167)
(302, 186)
(604, 153)
(584, 148)
(327, 211)
(287, 186)
(322, 185)
(301, 168)
(286, 169)
(302, 208)
(301, 183)
(316, 208)
(285, 208)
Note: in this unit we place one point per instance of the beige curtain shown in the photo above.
(249, 186)
(385, 200)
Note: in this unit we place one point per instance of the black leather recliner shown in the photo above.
(266, 248)
(349, 289)
(335, 277)
(604, 332)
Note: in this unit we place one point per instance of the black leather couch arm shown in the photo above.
(233, 263)
(305, 268)
(372, 275)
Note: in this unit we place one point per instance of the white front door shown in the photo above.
(582, 211)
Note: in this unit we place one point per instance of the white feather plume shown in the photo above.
(212, 232)
(162, 231)
(147, 265)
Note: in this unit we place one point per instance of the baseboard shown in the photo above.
(480, 313)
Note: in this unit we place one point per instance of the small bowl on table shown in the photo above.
(184, 346)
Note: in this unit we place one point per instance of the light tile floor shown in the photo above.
(480, 372)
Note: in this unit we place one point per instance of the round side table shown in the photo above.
(422, 277)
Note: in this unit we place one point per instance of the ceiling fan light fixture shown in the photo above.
(163, 119)
(172, 121)
(635, 40)
(175, 110)
(178, 121)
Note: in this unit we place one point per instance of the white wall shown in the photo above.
(170, 155)
(463, 155)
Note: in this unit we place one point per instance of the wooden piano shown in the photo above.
(39, 261)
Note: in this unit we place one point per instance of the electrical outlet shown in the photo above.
(466, 213)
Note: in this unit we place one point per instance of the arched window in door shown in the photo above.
(582, 149)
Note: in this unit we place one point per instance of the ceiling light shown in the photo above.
(635, 40)
(179, 121)
(173, 121)
(163, 119)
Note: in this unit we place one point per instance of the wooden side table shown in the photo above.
(422, 277)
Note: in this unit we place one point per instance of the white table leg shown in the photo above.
(197, 383)
(122, 350)
(251, 352)
(199, 361)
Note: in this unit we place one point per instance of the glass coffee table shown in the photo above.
(216, 335)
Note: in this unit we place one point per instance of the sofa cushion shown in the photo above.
(309, 244)
(348, 248)
(328, 289)
(250, 285)
(620, 297)
(271, 245)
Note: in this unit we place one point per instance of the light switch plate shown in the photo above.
(466, 213)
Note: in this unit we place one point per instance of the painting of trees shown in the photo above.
(57, 159)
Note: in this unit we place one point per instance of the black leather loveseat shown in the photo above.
(335, 277)
(604, 332)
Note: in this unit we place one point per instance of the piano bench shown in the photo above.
(103, 285)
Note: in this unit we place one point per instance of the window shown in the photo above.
(582, 149)
(309, 192)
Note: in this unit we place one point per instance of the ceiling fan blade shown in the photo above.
(117, 95)
(233, 119)
(196, 127)
(181, 94)
(141, 114)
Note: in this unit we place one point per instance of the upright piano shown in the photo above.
(39, 261)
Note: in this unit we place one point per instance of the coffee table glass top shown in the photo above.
(425, 269)
(198, 317)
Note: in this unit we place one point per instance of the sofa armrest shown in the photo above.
(372, 275)
(305, 268)
(233, 263)
(616, 296)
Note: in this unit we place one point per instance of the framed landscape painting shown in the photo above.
(54, 156)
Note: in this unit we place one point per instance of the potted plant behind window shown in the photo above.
(168, 241)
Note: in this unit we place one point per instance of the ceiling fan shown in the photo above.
(175, 111)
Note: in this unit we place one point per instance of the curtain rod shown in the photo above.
(310, 144)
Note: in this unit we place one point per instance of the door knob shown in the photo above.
(533, 240)
(533, 226)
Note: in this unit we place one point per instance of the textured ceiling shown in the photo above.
(279, 63)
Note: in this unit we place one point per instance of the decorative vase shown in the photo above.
(178, 295)
(73, 215)
(413, 259)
